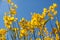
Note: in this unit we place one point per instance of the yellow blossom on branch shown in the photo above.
(9, 1)
(3, 31)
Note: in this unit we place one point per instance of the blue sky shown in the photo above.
(25, 7)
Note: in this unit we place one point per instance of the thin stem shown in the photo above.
(34, 35)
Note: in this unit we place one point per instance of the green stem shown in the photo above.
(47, 21)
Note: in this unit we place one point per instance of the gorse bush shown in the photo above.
(28, 28)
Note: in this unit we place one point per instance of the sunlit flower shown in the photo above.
(13, 11)
(27, 28)
(21, 35)
(9, 1)
(45, 10)
(58, 24)
(54, 30)
(31, 39)
(3, 31)
(54, 5)
(43, 14)
(23, 32)
(32, 31)
(51, 7)
(47, 38)
(57, 37)
(23, 23)
(45, 30)
(38, 39)
(8, 25)
(55, 13)
(2, 38)
(50, 15)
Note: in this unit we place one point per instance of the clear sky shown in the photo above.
(25, 7)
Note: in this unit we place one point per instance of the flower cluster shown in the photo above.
(3, 34)
(39, 21)
(27, 28)
(9, 16)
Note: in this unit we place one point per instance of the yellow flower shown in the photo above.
(7, 25)
(2, 38)
(31, 27)
(37, 20)
(35, 15)
(55, 12)
(58, 24)
(54, 5)
(31, 39)
(54, 30)
(9, 1)
(50, 15)
(3, 31)
(47, 38)
(43, 15)
(23, 31)
(13, 11)
(57, 37)
(38, 39)
(6, 18)
(42, 21)
(23, 23)
(32, 31)
(51, 7)
(21, 35)
(11, 19)
(45, 10)
(28, 24)
(34, 21)
(45, 30)
(8, 21)
(52, 10)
